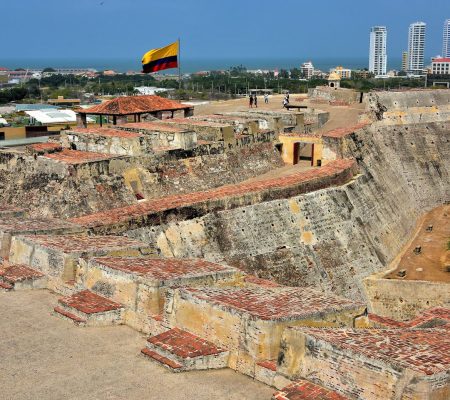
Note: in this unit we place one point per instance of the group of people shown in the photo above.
(253, 100)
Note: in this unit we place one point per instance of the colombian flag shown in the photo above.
(159, 59)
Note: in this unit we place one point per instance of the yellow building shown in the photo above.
(344, 73)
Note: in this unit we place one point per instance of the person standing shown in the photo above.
(250, 101)
(255, 100)
(266, 98)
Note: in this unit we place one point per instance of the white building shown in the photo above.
(440, 66)
(446, 39)
(377, 54)
(416, 47)
(307, 69)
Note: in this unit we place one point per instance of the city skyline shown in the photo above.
(213, 30)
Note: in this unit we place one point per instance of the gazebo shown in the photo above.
(122, 107)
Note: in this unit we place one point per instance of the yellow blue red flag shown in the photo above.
(159, 59)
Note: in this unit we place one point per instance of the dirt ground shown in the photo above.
(43, 358)
(430, 264)
(340, 116)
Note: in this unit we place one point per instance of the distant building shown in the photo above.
(377, 55)
(344, 73)
(62, 101)
(440, 66)
(74, 71)
(405, 61)
(416, 47)
(446, 39)
(307, 70)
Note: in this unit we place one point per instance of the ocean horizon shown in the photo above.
(193, 65)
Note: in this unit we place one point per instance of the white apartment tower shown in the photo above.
(377, 55)
(416, 47)
(446, 41)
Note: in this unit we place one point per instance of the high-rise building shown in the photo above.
(405, 61)
(446, 41)
(307, 70)
(416, 47)
(377, 55)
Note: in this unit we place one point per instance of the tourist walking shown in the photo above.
(285, 102)
(266, 98)
(250, 101)
(255, 100)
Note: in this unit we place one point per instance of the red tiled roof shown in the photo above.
(441, 60)
(134, 105)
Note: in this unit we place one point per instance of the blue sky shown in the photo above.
(213, 28)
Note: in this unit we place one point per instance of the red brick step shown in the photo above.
(94, 309)
(188, 350)
(76, 320)
(21, 277)
(166, 362)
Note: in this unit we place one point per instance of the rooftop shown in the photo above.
(274, 303)
(128, 105)
(423, 350)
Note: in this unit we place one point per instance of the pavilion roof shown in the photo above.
(128, 105)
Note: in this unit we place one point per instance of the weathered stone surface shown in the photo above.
(370, 363)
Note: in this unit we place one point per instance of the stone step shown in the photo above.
(95, 310)
(188, 350)
(69, 316)
(5, 287)
(265, 371)
(305, 390)
(21, 277)
(165, 362)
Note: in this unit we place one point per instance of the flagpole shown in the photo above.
(179, 64)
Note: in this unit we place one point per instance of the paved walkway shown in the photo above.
(43, 357)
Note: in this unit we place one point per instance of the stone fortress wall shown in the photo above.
(227, 260)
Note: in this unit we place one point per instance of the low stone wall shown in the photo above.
(328, 94)
(404, 299)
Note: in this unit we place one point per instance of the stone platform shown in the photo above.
(250, 321)
(13, 226)
(376, 364)
(305, 390)
(57, 256)
(87, 308)
(179, 351)
(141, 284)
(20, 277)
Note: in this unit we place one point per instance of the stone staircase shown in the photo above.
(89, 309)
(20, 277)
(179, 351)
